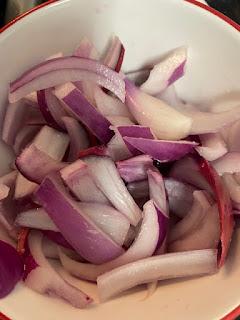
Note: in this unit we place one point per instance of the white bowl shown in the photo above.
(148, 29)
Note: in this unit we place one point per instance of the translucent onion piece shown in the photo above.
(229, 163)
(213, 146)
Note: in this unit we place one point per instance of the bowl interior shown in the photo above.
(148, 29)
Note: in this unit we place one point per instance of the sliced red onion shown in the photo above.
(31, 99)
(233, 137)
(50, 249)
(205, 235)
(143, 246)
(34, 164)
(11, 268)
(138, 77)
(54, 144)
(109, 105)
(119, 121)
(134, 169)
(8, 209)
(207, 122)
(14, 117)
(212, 146)
(192, 219)
(44, 108)
(135, 131)
(138, 189)
(224, 208)
(232, 186)
(77, 104)
(117, 147)
(111, 221)
(187, 170)
(229, 163)
(158, 194)
(154, 113)
(78, 137)
(169, 95)
(66, 69)
(162, 267)
(35, 219)
(108, 180)
(24, 137)
(43, 279)
(86, 49)
(180, 196)
(7, 158)
(55, 107)
(94, 151)
(85, 237)
(80, 181)
(115, 54)
(162, 150)
(166, 72)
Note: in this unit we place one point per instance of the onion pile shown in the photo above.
(124, 184)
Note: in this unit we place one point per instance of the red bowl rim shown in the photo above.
(236, 312)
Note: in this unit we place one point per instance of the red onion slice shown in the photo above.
(110, 106)
(213, 146)
(169, 95)
(35, 219)
(86, 49)
(58, 238)
(77, 104)
(119, 121)
(34, 164)
(111, 221)
(162, 150)
(134, 169)
(193, 218)
(233, 187)
(154, 113)
(31, 99)
(117, 147)
(143, 246)
(85, 237)
(9, 178)
(166, 266)
(8, 208)
(115, 55)
(43, 279)
(24, 137)
(180, 196)
(229, 163)
(78, 137)
(43, 106)
(55, 107)
(107, 178)
(166, 72)
(205, 236)
(187, 170)
(66, 69)
(80, 181)
(11, 268)
(224, 208)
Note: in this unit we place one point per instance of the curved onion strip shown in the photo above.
(55, 107)
(36, 219)
(134, 169)
(78, 137)
(79, 106)
(166, 72)
(205, 235)
(233, 187)
(79, 180)
(180, 196)
(143, 246)
(117, 147)
(66, 69)
(154, 113)
(43, 279)
(193, 218)
(85, 237)
(166, 266)
(44, 108)
(213, 146)
(108, 180)
(35, 164)
(162, 150)
(119, 121)
(229, 163)
(24, 137)
(224, 207)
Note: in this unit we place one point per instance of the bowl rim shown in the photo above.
(236, 312)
